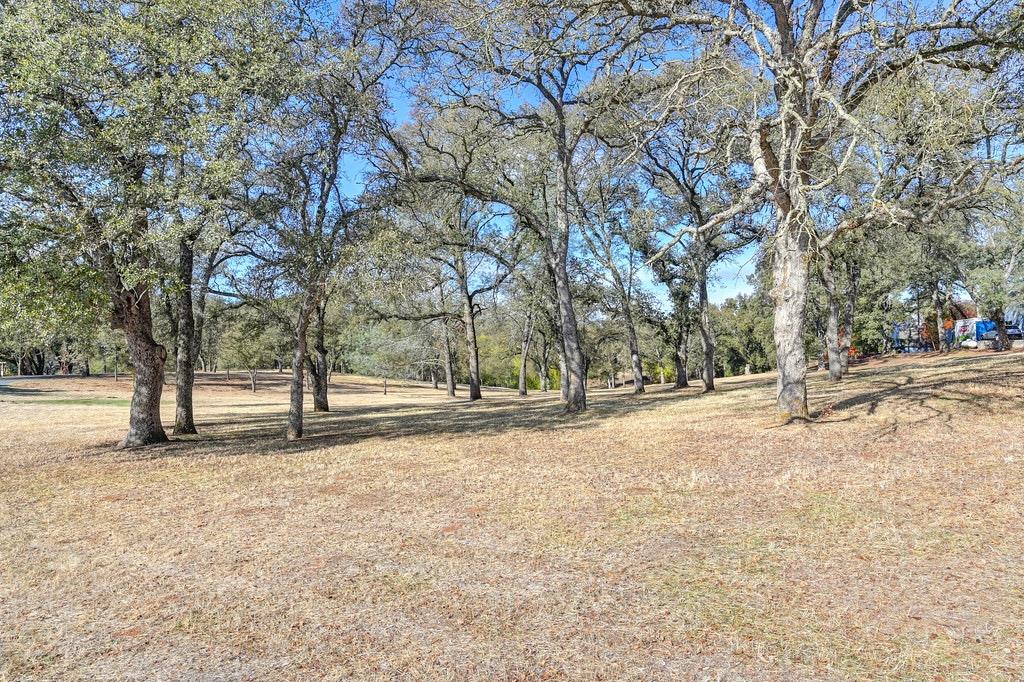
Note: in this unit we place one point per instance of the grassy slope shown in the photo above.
(415, 537)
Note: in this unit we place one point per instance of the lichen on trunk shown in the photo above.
(790, 273)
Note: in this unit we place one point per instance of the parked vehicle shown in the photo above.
(1013, 332)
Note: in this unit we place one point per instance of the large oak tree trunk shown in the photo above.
(557, 254)
(572, 365)
(790, 273)
(1002, 338)
(185, 365)
(563, 376)
(133, 314)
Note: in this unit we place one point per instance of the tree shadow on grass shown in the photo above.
(910, 393)
(13, 391)
(497, 413)
(934, 392)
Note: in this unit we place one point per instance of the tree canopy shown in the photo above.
(502, 192)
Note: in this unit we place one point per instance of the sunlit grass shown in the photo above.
(673, 536)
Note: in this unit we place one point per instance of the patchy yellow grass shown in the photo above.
(671, 536)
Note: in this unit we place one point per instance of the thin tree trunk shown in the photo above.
(543, 363)
(681, 337)
(469, 322)
(937, 306)
(707, 334)
(252, 379)
(524, 355)
(545, 370)
(790, 274)
(634, 351)
(449, 361)
(185, 366)
(298, 379)
(133, 314)
(318, 371)
(680, 360)
(835, 368)
(846, 335)
(433, 377)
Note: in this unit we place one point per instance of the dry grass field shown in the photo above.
(673, 536)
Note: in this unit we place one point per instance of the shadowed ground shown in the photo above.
(670, 536)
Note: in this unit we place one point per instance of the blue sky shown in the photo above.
(728, 278)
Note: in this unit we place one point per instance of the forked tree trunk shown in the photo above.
(433, 377)
(707, 334)
(252, 379)
(790, 274)
(133, 314)
(185, 365)
(33, 363)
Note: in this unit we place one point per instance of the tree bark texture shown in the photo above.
(295, 402)
(707, 334)
(133, 313)
(835, 367)
(185, 365)
(790, 274)
(524, 354)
